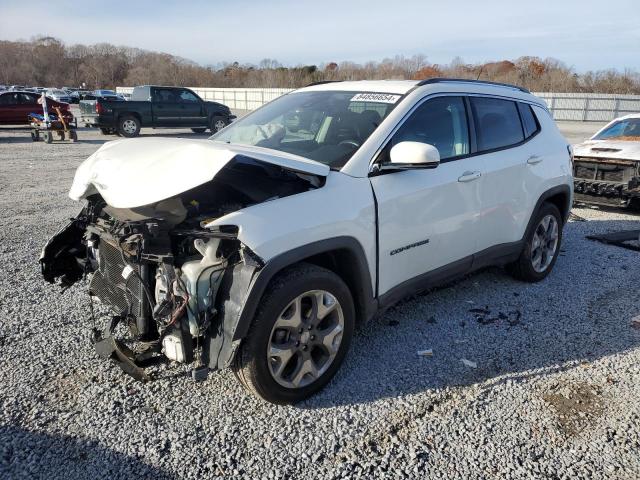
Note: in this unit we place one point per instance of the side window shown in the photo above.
(164, 95)
(497, 123)
(187, 97)
(441, 122)
(529, 121)
(27, 99)
(5, 99)
(10, 99)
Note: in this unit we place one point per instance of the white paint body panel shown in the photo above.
(426, 204)
(342, 207)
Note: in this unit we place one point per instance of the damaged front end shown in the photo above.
(607, 181)
(161, 270)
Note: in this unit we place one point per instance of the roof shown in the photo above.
(452, 85)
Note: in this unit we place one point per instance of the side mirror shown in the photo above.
(414, 155)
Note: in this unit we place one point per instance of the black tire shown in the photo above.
(128, 126)
(34, 135)
(218, 122)
(73, 136)
(250, 363)
(47, 137)
(199, 130)
(108, 131)
(522, 268)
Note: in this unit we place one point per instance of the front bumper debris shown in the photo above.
(609, 182)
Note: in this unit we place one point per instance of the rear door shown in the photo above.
(191, 109)
(509, 152)
(428, 217)
(166, 107)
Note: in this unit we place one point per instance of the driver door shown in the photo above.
(427, 218)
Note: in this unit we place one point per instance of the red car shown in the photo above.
(15, 106)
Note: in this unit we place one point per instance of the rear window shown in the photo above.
(529, 121)
(497, 123)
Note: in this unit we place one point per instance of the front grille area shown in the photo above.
(125, 296)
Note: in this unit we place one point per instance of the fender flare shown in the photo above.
(563, 189)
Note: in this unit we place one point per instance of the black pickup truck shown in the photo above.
(156, 107)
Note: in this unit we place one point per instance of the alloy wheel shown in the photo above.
(305, 339)
(545, 243)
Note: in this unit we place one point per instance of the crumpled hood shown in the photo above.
(626, 150)
(131, 173)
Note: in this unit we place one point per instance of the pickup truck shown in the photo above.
(156, 107)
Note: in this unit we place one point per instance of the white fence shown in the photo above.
(590, 107)
(584, 107)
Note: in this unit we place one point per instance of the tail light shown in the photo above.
(99, 108)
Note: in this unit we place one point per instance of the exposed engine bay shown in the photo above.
(163, 271)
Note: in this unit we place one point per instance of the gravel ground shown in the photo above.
(554, 394)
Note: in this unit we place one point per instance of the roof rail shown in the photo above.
(467, 80)
(322, 82)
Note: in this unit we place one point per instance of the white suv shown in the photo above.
(261, 248)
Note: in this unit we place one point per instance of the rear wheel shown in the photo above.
(108, 131)
(217, 123)
(542, 246)
(299, 336)
(47, 137)
(129, 126)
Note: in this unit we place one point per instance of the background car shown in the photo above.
(606, 168)
(58, 95)
(16, 105)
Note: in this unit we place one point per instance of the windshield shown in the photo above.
(327, 126)
(628, 129)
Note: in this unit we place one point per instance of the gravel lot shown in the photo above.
(555, 392)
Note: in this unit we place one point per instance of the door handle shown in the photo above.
(469, 176)
(534, 159)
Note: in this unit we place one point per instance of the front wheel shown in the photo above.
(129, 126)
(541, 247)
(299, 336)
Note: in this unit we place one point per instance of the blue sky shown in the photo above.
(584, 34)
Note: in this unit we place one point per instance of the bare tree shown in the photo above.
(46, 61)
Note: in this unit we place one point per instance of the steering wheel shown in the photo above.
(353, 143)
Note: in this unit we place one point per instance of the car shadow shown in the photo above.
(510, 330)
(28, 454)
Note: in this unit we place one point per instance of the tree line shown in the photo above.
(48, 62)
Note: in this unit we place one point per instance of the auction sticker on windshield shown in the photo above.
(376, 97)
